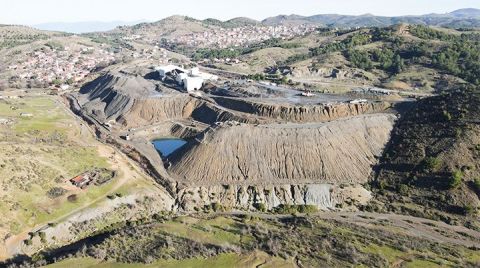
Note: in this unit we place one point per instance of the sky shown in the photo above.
(31, 12)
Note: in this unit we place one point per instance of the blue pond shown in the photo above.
(167, 146)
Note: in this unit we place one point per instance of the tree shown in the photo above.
(359, 59)
(398, 64)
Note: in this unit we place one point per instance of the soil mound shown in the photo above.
(336, 152)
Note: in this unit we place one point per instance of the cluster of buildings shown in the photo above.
(95, 177)
(47, 66)
(191, 80)
(241, 36)
(156, 53)
(81, 181)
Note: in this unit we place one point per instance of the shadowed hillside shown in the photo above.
(431, 166)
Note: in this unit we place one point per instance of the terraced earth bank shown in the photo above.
(247, 151)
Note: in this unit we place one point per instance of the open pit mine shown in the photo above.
(242, 144)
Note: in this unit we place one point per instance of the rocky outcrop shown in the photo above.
(302, 113)
(323, 196)
(335, 152)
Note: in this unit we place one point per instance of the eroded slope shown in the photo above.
(338, 152)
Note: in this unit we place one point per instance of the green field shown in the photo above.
(40, 151)
(221, 261)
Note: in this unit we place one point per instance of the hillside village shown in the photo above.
(59, 66)
(241, 36)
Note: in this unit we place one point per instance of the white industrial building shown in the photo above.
(191, 80)
(192, 83)
(164, 70)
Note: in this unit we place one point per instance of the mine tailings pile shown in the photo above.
(242, 165)
(250, 153)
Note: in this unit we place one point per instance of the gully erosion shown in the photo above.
(239, 151)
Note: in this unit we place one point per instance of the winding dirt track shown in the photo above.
(117, 160)
(435, 231)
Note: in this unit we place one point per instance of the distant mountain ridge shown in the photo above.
(466, 12)
(83, 27)
(461, 18)
(469, 17)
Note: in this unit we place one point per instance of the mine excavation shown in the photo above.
(211, 139)
(163, 134)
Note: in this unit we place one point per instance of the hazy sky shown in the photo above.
(40, 11)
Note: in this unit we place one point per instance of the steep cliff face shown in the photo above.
(323, 196)
(152, 110)
(303, 113)
(156, 109)
(336, 152)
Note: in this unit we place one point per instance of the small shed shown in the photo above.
(81, 181)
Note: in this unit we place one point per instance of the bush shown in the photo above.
(403, 189)
(217, 207)
(447, 116)
(260, 207)
(56, 192)
(293, 209)
(469, 210)
(42, 236)
(455, 179)
(431, 164)
(307, 209)
(72, 198)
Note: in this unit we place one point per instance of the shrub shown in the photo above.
(42, 236)
(307, 209)
(447, 116)
(217, 207)
(293, 209)
(403, 189)
(56, 192)
(72, 198)
(455, 179)
(431, 164)
(469, 210)
(260, 207)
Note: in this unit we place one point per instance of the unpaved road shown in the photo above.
(127, 170)
(435, 231)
